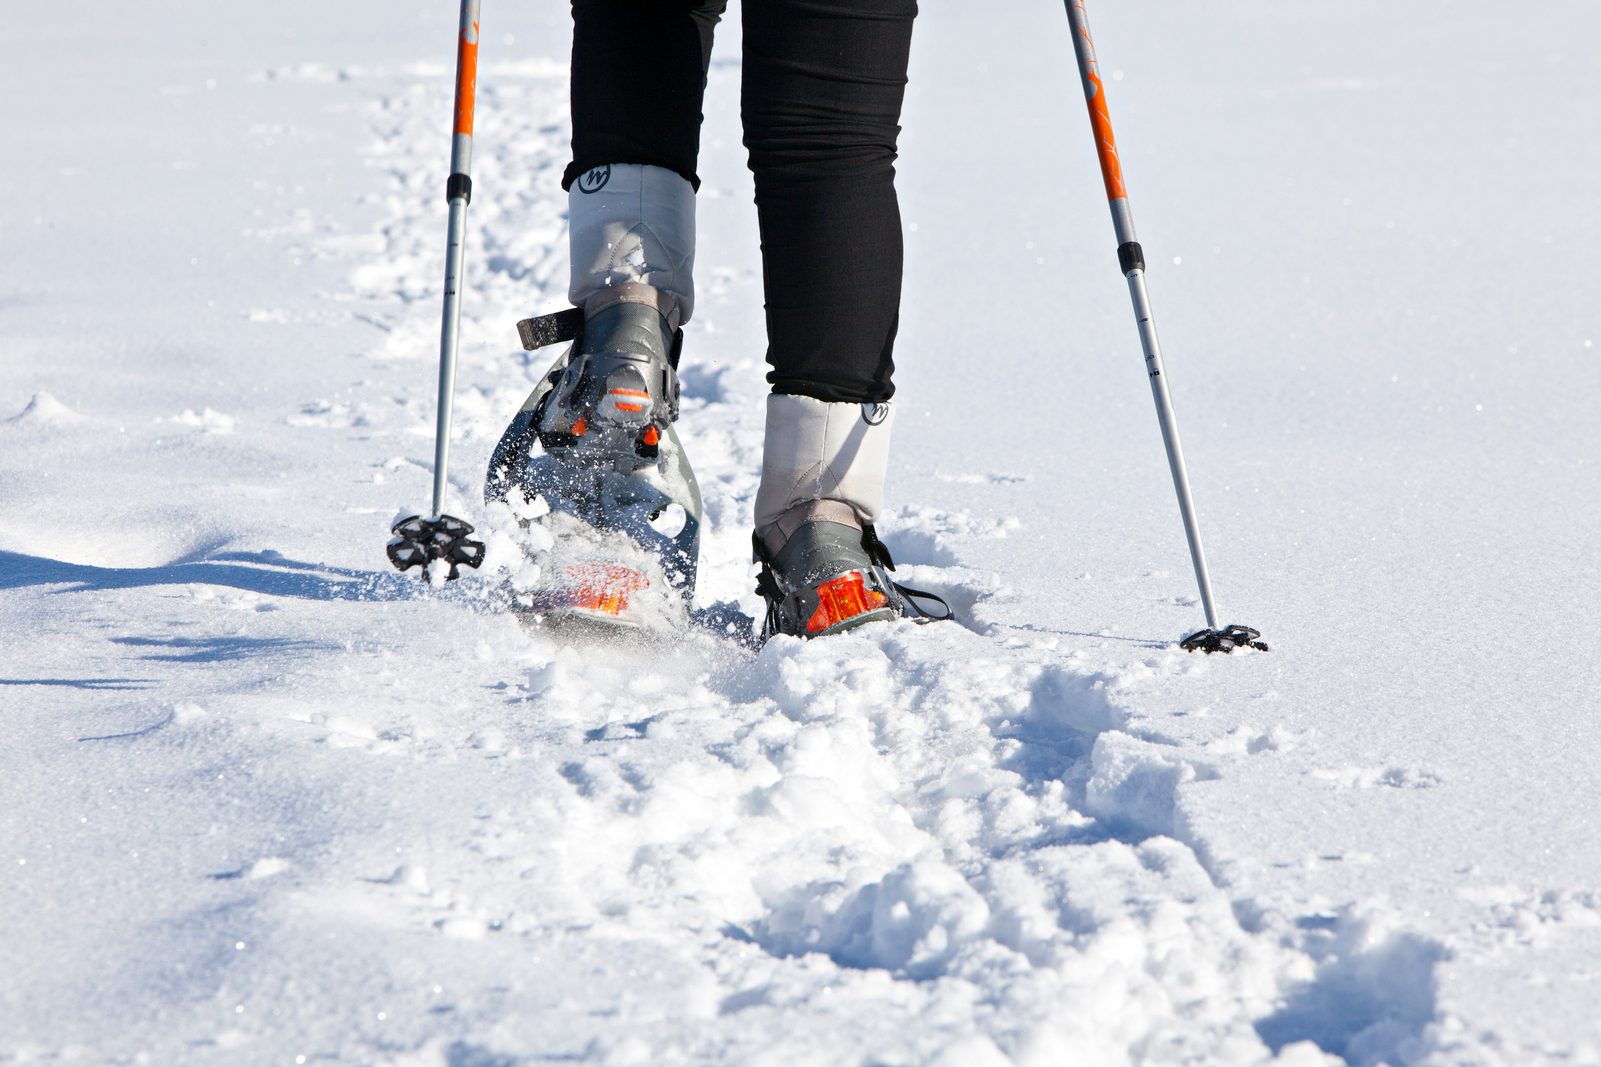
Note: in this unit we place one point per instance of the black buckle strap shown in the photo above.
(766, 587)
(910, 596)
(551, 329)
(877, 550)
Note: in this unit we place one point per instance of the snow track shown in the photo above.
(907, 845)
(887, 832)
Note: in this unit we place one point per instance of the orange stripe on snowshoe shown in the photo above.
(621, 406)
(604, 587)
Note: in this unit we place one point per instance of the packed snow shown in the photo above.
(264, 800)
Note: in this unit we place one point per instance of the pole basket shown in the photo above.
(1224, 639)
(417, 542)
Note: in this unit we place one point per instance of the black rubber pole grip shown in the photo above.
(459, 185)
(1130, 256)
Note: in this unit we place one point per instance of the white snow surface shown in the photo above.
(264, 801)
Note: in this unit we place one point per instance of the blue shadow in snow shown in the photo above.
(1368, 1003)
(267, 573)
(1145, 642)
(216, 649)
(85, 683)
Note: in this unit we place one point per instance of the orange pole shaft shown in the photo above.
(1101, 122)
(461, 144)
(467, 70)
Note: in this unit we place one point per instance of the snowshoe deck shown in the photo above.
(595, 442)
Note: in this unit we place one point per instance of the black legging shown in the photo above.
(821, 103)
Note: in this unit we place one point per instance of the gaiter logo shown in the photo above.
(875, 414)
(595, 179)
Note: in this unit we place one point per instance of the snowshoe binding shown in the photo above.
(829, 577)
(595, 442)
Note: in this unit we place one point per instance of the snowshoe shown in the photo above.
(595, 442)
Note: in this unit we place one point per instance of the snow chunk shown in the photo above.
(409, 876)
(47, 410)
(1374, 992)
(1134, 787)
(187, 713)
(912, 922)
(205, 420)
(266, 867)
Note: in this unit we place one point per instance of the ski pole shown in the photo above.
(417, 541)
(1131, 259)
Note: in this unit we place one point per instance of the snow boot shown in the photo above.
(594, 440)
(823, 567)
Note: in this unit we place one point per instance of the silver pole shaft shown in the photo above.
(1170, 437)
(459, 192)
(449, 336)
(1132, 260)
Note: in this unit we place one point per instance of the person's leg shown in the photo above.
(821, 102)
(638, 77)
(595, 439)
(823, 85)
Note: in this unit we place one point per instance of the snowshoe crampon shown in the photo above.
(595, 442)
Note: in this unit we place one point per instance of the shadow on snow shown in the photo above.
(266, 573)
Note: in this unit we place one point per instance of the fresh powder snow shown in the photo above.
(264, 800)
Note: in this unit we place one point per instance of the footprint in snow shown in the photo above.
(326, 415)
(1377, 777)
(205, 420)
